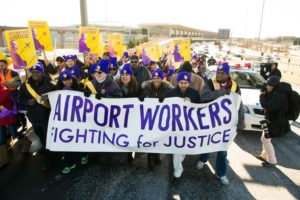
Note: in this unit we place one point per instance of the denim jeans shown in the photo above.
(221, 162)
(12, 130)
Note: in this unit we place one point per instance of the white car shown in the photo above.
(250, 83)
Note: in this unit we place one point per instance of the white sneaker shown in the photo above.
(224, 180)
(200, 165)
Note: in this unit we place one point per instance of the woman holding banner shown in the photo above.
(129, 88)
(155, 88)
(182, 90)
(68, 82)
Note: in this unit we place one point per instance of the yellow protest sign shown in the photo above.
(101, 45)
(182, 50)
(151, 52)
(4, 57)
(115, 45)
(21, 48)
(89, 40)
(41, 35)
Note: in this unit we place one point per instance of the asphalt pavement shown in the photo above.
(113, 178)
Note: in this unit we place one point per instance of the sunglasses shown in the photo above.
(134, 61)
(98, 72)
(112, 69)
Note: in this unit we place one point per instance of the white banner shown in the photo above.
(176, 126)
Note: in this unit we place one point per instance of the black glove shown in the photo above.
(99, 96)
(141, 98)
(87, 93)
(161, 99)
(227, 91)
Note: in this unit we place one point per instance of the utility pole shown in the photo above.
(261, 20)
(84, 17)
(83, 13)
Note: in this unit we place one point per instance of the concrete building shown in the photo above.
(175, 30)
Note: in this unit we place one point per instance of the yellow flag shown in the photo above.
(4, 57)
(41, 35)
(21, 48)
(182, 50)
(150, 52)
(89, 40)
(115, 45)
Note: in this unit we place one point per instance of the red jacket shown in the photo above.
(7, 108)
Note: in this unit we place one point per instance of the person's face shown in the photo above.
(105, 57)
(183, 85)
(84, 37)
(99, 75)
(156, 82)
(67, 82)
(273, 67)
(60, 64)
(221, 76)
(152, 67)
(134, 63)
(125, 59)
(194, 64)
(112, 71)
(70, 63)
(201, 68)
(125, 79)
(269, 88)
(36, 75)
(3, 66)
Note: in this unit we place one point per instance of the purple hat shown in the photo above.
(65, 75)
(37, 66)
(152, 62)
(104, 64)
(183, 76)
(95, 67)
(224, 67)
(114, 62)
(157, 73)
(126, 69)
(70, 57)
(125, 54)
(170, 72)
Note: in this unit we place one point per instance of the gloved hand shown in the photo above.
(99, 96)
(161, 99)
(141, 98)
(227, 91)
(87, 93)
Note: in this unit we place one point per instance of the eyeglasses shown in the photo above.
(112, 69)
(99, 72)
(134, 61)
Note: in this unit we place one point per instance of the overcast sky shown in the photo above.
(241, 16)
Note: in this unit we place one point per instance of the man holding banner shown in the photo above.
(182, 90)
(38, 112)
(220, 85)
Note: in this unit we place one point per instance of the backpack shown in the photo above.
(294, 101)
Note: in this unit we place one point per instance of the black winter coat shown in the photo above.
(37, 114)
(275, 104)
(150, 91)
(276, 72)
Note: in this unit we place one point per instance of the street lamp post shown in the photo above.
(83, 13)
(261, 20)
